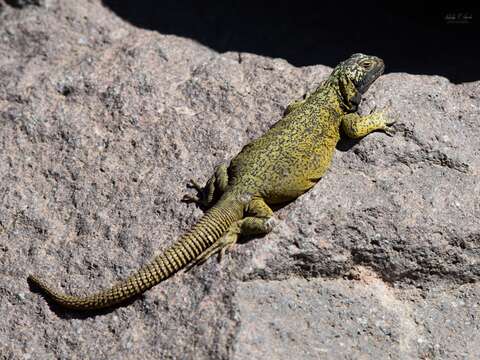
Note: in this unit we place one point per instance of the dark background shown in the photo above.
(418, 38)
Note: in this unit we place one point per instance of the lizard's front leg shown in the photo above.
(259, 221)
(356, 126)
(214, 188)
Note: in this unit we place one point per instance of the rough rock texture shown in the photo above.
(102, 124)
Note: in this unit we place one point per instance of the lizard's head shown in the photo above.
(362, 70)
(354, 76)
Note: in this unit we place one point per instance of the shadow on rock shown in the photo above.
(418, 39)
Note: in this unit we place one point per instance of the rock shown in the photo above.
(24, 3)
(102, 124)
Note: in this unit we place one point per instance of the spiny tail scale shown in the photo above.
(204, 233)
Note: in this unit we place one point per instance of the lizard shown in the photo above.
(276, 168)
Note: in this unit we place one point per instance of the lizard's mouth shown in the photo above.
(376, 71)
(381, 68)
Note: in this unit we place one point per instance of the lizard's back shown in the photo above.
(289, 158)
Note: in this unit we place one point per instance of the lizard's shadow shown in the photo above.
(345, 143)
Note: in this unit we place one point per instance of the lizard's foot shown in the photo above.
(192, 184)
(388, 130)
(384, 120)
(388, 122)
(220, 246)
(191, 198)
(199, 199)
(208, 194)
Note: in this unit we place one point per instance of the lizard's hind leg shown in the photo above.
(259, 221)
(213, 189)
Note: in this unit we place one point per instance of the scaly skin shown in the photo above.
(276, 168)
(210, 227)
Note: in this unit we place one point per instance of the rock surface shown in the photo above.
(102, 124)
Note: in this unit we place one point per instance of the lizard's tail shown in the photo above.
(203, 234)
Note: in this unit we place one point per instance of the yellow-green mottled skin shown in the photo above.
(278, 167)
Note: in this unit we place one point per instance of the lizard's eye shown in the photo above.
(366, 64)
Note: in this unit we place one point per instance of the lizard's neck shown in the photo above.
(341, 92)
(328, 94)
